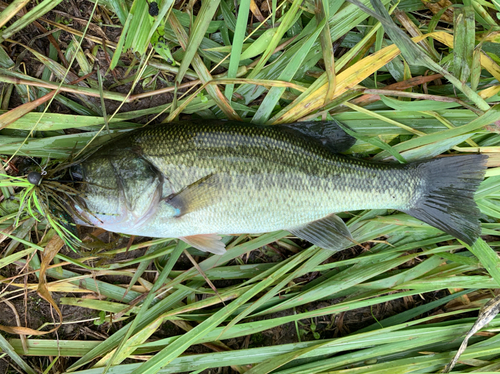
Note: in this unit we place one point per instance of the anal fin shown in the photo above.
(206, 242)
(329, 232)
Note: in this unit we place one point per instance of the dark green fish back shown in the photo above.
(186, 152)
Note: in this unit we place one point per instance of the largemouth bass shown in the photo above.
(196, 181)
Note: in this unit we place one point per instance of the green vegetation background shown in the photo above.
(413, 79)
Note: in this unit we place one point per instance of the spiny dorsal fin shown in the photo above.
(327, 133)
(328, 233)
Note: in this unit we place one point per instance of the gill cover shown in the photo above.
(121, 190)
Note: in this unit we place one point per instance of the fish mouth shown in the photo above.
(125, 220)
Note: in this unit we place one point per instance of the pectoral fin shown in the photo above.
(197, 195)
(206, 242)
(328, 233)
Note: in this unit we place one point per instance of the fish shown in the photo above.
(198, 180)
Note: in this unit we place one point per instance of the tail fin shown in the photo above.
(448, 201)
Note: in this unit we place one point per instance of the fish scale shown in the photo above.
(230, 177)
(261, 154)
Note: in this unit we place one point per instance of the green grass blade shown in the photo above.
(488, 258)
(126, 347)
(287, 21)
(176, 348)
(236, 47)
(267, 106)
(200, 26)
(202, 72)
(7, 348)
(38, 11)
(10, 11)
(490, 116)
(463, 42)
(151, 315)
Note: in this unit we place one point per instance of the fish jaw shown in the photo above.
(124, 220)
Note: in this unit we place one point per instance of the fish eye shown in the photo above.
(35, 178)
(76, 173)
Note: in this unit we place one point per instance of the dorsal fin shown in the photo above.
(327, 133)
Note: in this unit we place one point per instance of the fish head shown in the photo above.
(120, 191)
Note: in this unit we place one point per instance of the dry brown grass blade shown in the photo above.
(261, 82)
(18, 321)
(4, 234)
(70, 30)
(56, 286)
(413, 30)
(110, 95)
(54, 43)
(17, 330)
(436, 6)
(486, 314)
(254, 8)
(202, 273)
(349, 78)
(13, 115)
(399, 86)
(52, 248)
